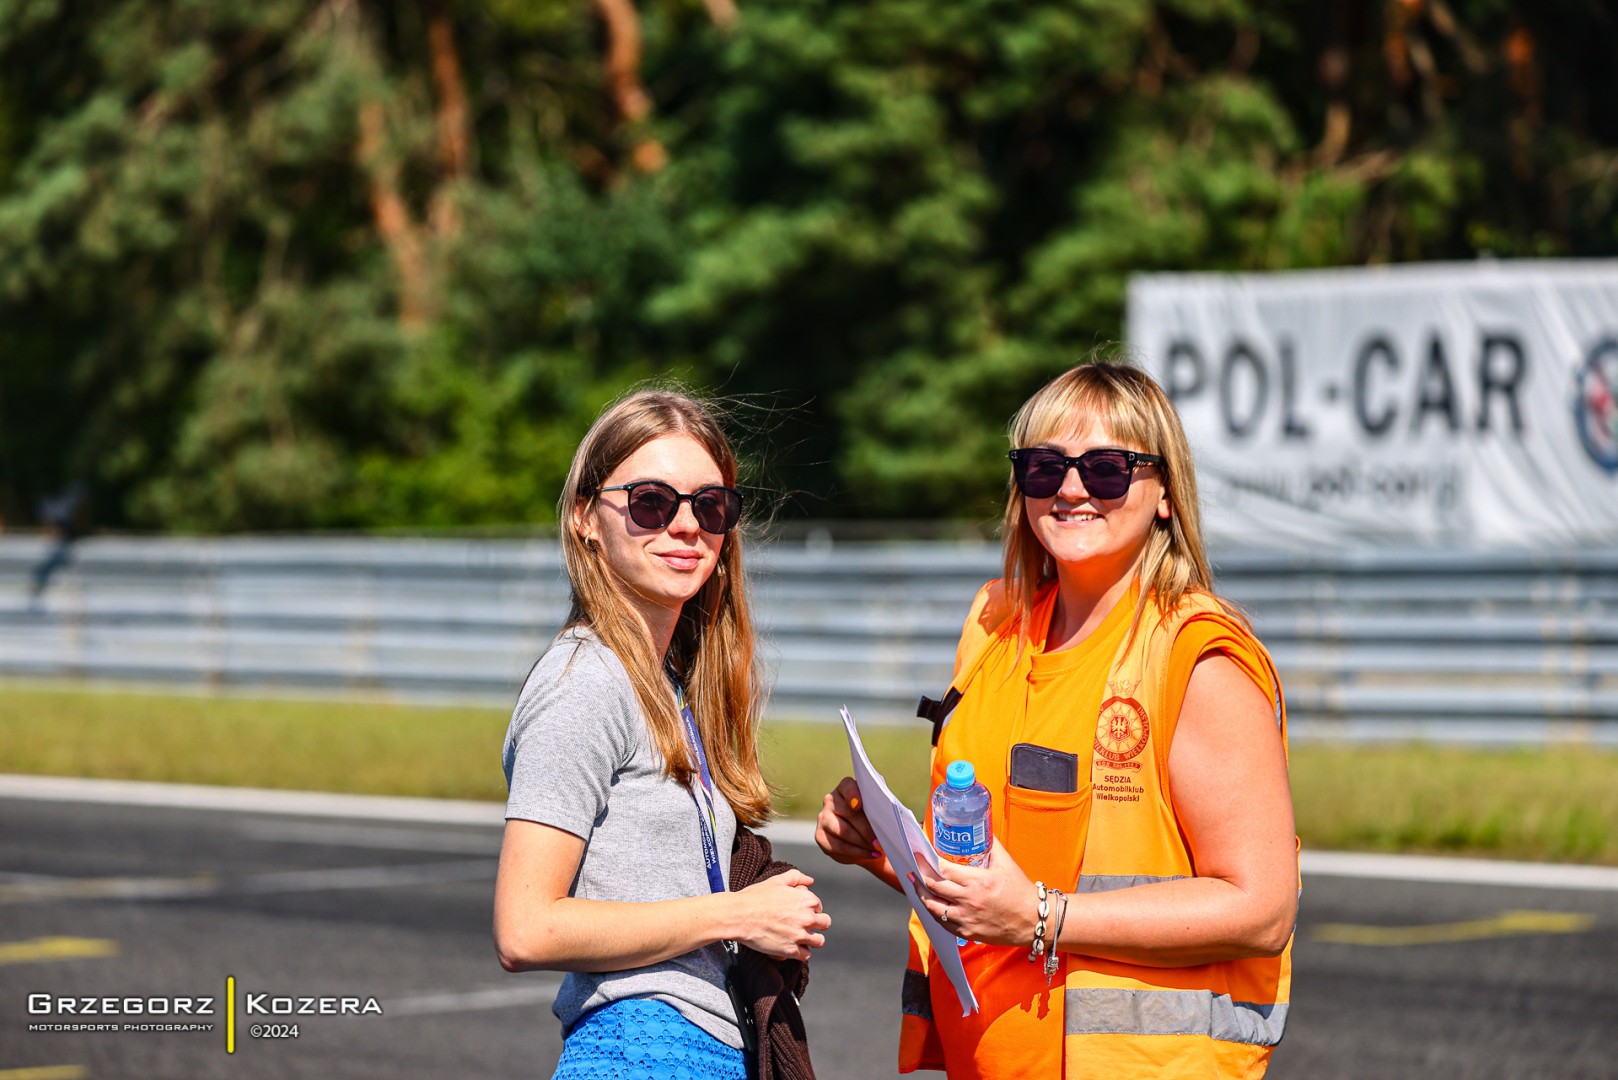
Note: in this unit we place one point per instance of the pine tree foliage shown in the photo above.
(339, 263)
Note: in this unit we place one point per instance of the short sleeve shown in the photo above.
(575, 725)
(990, 607)
(1205, 634)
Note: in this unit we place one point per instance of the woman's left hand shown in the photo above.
(995, 904)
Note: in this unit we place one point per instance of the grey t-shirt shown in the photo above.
(578, 756)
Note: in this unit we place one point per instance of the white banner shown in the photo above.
(1464, 404)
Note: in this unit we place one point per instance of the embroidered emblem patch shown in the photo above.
(1121, 730)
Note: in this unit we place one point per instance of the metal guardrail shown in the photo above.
(1478, 647)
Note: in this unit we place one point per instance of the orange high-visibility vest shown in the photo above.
(1099, 1018)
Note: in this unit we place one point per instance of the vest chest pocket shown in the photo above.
(1046, 832)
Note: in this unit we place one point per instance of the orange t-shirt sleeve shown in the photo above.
(989, 609)
(1208, 634)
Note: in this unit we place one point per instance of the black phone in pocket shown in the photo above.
(1039, 768)
(745, 1020)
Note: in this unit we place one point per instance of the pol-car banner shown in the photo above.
(1459, 404)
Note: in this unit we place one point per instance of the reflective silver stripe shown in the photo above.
(1107, 1011)
(1113, 882)
(915, 999)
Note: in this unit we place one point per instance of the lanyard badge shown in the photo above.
(708, 822)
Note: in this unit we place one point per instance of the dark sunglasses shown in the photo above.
(1106, 474)
(653, 504)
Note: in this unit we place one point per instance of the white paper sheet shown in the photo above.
(904, 843)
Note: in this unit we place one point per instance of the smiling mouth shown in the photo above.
(1073, 516)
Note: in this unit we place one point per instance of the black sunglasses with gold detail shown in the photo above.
(653, 504)
(1106, 474)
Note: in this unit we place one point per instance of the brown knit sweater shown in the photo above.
(771, 984)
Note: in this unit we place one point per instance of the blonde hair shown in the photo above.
(1136, 412)
(712, 651)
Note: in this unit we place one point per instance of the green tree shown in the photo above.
(288, 265)
(313, 263)
(930, 210)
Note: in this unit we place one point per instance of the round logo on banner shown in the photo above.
(1595, 405)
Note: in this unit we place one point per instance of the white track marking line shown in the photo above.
(483, 842)
(787, 833)
(1432, 868)
(540, 990)
(362, 877)
(108, 888)
(251, 800)
(278, 881)
(790, 833)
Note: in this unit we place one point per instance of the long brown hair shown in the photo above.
(712, 651)
(1135, 411)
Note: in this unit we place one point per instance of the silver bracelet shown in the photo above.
(1038, 948)
(1052, 958)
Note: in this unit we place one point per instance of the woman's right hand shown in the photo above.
(781, 918)
(843, 831)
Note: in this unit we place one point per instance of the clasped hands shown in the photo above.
(780, 917)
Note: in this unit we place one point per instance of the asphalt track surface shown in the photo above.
(1393, 978)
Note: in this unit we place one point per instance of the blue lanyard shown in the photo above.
(702, 793)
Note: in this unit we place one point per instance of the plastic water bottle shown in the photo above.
(961, 829)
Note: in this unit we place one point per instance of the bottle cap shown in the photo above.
(960, 775)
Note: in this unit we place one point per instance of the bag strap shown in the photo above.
(938, 711)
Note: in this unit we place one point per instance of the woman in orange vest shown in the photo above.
(1136, 915)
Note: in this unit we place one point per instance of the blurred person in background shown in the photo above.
(60, 515)
(631, 759)
(1136, 915)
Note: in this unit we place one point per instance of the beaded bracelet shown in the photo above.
(1052, 958)
(1038, 948)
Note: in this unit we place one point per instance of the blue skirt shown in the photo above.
(640, 1039)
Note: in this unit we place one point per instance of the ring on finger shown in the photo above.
(945, 917)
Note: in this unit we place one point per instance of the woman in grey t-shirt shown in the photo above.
(631, 757)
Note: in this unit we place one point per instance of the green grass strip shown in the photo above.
(1555, 804)
(347, 746)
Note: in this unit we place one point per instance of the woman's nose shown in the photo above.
(1073, 489)
(685, 520)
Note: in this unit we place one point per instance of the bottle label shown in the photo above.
(962, 840)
